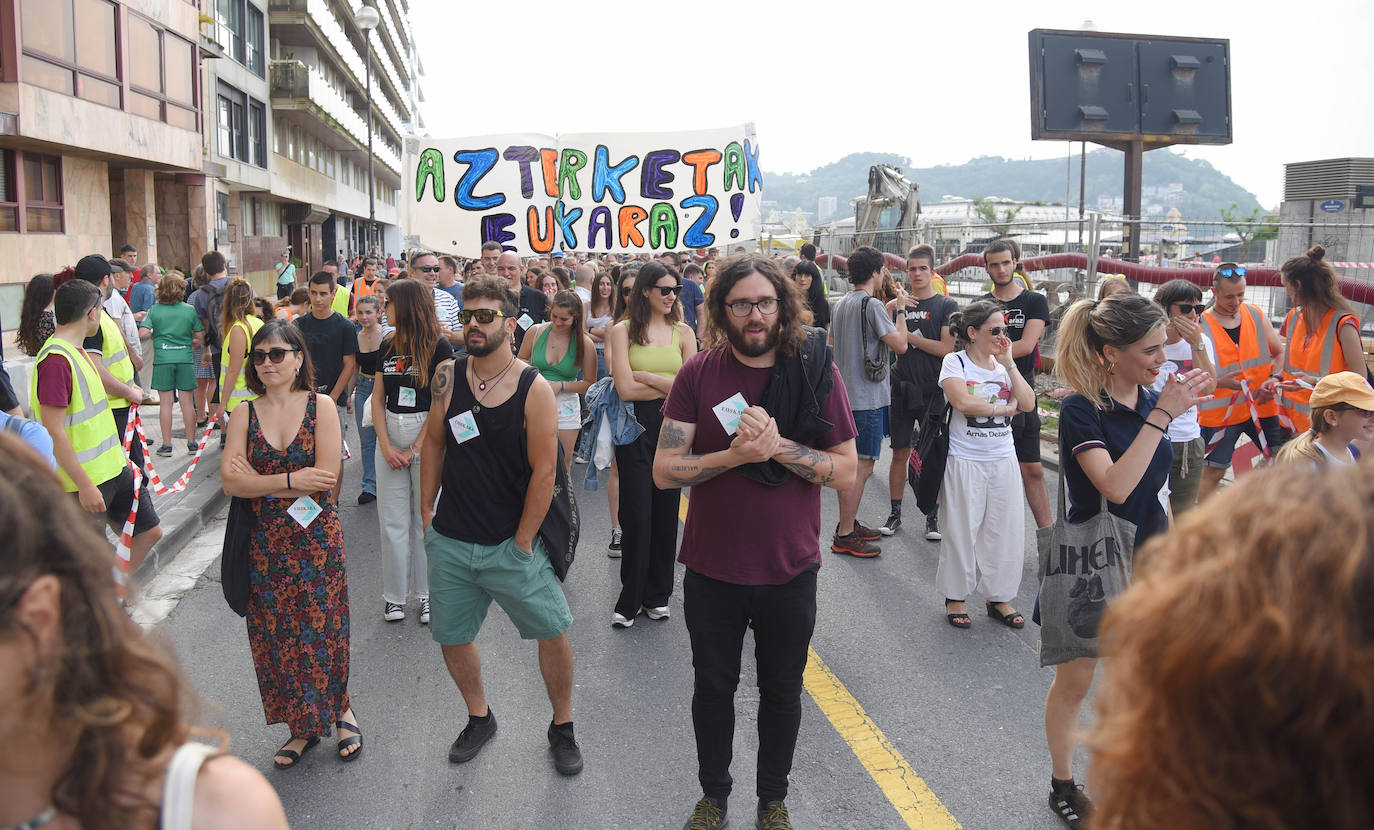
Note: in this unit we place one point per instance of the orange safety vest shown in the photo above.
(1253, 359)
(1317, 353)
(362, 289)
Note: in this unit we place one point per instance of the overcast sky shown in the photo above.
(938, 83)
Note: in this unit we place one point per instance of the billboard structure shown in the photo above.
(1132, 93)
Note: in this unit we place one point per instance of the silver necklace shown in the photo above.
(46, 815)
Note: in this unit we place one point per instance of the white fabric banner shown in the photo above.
(592, 192)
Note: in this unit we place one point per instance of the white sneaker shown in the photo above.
(394, 612)
(659, 613)
(619, 620)
(424, 611)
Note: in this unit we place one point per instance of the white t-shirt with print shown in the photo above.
(979, 437)
(1179, 358)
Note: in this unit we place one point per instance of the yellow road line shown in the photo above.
(913, 799)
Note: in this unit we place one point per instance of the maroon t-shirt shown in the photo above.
(55, 382)
(738, 530)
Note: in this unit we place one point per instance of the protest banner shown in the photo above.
(589, 192)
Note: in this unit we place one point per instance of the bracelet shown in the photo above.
(288, 479)
(1199, 347)
(1165, 411)
(1162, 430)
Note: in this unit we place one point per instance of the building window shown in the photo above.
(30, 193)
(160, 74)
(252, 37)
(249, 223)
(69, 47)
(257, 133)
(221, 219)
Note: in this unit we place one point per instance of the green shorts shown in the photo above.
(169, 376)
(464, 577)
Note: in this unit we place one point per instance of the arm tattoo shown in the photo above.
(691, 472)
(671, 436)
(443, 379)
(813, 465)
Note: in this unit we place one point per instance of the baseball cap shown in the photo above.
(558, 255)
(93, 268)
(1343, 387)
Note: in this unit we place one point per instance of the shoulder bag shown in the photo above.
(1082, 567)
(562, 524)
(874, 369)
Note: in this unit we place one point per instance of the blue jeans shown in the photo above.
(367, 436)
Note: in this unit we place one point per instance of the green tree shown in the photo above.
(1255, 227)
(1000, 222)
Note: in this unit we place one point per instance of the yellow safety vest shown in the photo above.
(114, 358)
(240, 392)
(89, 424)
(340, 303)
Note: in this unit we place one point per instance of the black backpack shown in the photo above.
(214, 310)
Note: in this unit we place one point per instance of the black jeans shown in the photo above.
(648, 520)
(783, 617)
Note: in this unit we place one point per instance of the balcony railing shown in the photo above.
(293, 80)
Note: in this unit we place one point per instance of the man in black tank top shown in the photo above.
(482, 539)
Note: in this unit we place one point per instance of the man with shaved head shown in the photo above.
(532, 300)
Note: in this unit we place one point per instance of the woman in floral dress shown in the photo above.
(298, 608)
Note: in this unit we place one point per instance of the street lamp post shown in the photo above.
(367, 17)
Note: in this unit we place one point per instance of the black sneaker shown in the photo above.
(854, 545)
(366, 498)
(773, 816)
(567, 758)
(893, 523)
(613, 549)
(164, 451)
(1070, 804)
(933, 533)
(865, 532)
(473, 737)
(709, 814)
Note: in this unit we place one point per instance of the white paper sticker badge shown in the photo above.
(304, 510)
(464, 427)
(525, 321)
(729, 411)
(405, 396)
(569, 407)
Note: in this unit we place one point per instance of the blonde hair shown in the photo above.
(1120, 320)
(1304, 447)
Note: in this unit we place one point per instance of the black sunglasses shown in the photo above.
(427, 269)
(483, 316)
(276, 355)
(1184, 308)
(665, 290)
(626, 291)
(997, 331)
(1231, 273)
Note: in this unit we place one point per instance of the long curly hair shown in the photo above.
(124, 699)
(793, 315)
(1239, 692)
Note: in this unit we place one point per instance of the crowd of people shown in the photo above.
(476, 387)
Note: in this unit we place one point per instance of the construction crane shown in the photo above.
(887, 188)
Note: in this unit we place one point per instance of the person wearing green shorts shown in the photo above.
(491, 440)
(175, 329)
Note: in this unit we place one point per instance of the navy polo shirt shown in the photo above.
(1082, 426)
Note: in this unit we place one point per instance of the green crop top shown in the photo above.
(565, 371)
(663, 361)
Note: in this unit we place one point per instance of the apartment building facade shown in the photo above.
(181, 126)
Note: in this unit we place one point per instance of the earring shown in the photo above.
(1111, 368)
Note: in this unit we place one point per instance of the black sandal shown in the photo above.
(292, 754)
(1012, 620)
(354, 740)
(960, 620)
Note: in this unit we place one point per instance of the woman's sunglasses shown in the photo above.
(997, 331)
(1184, 308)
(276, 355)
(481, 315)
(665, 290)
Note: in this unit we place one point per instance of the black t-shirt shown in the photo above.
(1026, 306)
(329, 341)
(398, 372)
(532, 302)
(930, 317)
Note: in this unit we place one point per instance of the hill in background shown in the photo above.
(1194, 186)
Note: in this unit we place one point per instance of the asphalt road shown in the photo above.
(964, 708)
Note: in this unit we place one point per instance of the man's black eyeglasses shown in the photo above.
(427, 269)
(743, 308)
(276, 355)
(1231, 273)
(482, 315)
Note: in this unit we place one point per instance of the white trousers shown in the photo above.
(404, 564)
(983, 519)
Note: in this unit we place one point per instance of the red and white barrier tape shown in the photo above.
(126, 533)
(158, 488)
(1236, 398)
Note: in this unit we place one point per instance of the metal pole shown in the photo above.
(1082, 187)
(371, 198)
